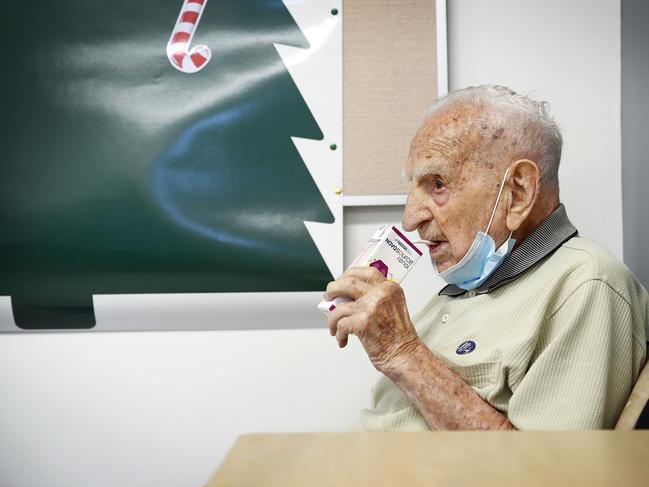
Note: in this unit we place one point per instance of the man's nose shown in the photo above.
(415, 212)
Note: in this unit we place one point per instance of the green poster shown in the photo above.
(120, 173)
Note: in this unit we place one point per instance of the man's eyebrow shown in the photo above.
(434, 167)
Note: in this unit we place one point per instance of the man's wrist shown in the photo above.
(406, 361)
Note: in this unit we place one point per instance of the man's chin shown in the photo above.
(441, 267)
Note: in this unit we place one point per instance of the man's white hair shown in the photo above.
(524, 122)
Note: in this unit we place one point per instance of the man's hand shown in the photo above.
(378, 316)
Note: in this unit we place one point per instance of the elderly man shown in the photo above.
(537, 327)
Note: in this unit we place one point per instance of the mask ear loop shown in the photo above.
(500, 192)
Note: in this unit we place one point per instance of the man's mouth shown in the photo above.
(436, 247)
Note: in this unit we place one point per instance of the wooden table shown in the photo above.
(502, 459)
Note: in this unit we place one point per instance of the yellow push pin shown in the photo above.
(338, 191)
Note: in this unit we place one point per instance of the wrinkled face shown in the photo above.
(456, 171)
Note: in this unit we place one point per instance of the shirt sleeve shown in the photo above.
(587, 358)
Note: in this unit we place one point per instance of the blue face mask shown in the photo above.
(482, 258)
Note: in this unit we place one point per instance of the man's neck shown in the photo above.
(542, 209)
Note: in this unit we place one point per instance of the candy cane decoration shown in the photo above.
(178, 52)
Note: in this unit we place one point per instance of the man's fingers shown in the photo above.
(342, 310)
(349, 286)
(354, 324)
(343, 331)
(371, 275)
(354, 283)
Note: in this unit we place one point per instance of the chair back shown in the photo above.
(635, 414)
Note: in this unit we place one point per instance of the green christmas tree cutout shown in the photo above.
(121, 175)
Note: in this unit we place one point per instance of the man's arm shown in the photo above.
(588, 354)
(440, 394)
(379, 317)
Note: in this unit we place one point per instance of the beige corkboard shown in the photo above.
(389, 79)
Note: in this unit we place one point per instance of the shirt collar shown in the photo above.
(543, 241)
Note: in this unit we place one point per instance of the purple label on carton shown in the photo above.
(382, 268)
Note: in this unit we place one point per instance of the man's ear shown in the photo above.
(524, 183)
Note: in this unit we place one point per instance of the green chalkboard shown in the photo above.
(120, 174)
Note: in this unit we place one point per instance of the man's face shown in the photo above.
(455, 181)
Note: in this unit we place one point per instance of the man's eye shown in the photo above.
(438, 184)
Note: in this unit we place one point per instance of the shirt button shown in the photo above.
(445, 318)
(471, 293)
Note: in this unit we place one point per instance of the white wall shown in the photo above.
(566, 52)
(144, 409)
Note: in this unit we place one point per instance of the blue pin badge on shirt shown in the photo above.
(466, 347)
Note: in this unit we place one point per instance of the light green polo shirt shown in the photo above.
(557, 347)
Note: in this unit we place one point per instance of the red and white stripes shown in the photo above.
(180, 55)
